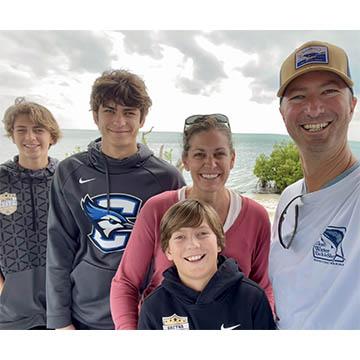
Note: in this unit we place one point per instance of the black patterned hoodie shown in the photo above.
(24, 202)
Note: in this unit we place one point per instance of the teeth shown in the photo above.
(315, 127)
(209, 176)
(194, 258)
(31, 146)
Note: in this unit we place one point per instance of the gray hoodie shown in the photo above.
(23, 238)
(94, 203)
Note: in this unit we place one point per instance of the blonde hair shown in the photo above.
(190, 213)
(39, 114)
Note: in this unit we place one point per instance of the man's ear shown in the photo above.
(281, 112)
(352, 106)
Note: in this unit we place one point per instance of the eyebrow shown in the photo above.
(112, 107)
(25, 127)
(109, 106)
(327, 83)
(204, 227)
(202, 149)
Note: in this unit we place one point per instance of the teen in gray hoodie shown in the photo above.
(95, 198)
(24, 188)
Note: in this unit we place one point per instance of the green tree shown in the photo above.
(279, 170)
(163, 154)
(76, 150)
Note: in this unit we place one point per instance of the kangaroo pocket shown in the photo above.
(23, 295)
(91, 294)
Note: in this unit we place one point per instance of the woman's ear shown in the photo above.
(185, 162)
(232, 159)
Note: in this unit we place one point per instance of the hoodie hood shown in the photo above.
(227, 275)
(111, 166)
(15, 169)
(115, 166)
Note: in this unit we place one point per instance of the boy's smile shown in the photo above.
(194, 252)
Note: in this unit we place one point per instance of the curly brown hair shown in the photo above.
(123, 87)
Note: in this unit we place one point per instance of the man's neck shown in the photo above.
(320, 170)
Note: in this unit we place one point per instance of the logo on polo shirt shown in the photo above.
(329, 248)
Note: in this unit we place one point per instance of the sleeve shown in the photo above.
(260, 257)
(62, 246)
(133, 268)
(262, 316)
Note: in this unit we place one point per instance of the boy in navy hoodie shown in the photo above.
(203, 290)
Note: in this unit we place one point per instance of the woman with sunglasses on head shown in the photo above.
(209, 155)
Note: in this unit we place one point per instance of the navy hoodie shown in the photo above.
(94, 202)
(230, 301)
(24, 202)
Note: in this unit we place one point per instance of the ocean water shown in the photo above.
(241, 179)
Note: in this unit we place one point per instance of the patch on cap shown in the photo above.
(311, 55)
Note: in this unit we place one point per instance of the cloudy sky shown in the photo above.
(234, 72)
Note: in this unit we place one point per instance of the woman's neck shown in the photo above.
(219, 200)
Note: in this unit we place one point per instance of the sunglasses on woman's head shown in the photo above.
(196, 119)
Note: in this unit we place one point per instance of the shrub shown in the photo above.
(279, 170)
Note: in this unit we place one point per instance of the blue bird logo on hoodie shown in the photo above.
(112, 218)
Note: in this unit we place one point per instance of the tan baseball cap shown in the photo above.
(314, 56)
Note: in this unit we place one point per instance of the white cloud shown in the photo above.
(186, 72)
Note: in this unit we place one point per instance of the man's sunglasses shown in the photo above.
(286, 241)
(196, 119)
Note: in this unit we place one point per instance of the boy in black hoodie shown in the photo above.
(204, 290)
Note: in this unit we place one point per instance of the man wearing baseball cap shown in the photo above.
(315, 255)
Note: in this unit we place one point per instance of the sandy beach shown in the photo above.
(269, 201)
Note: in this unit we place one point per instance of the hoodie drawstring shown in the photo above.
(32, 205)
(107, 176)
